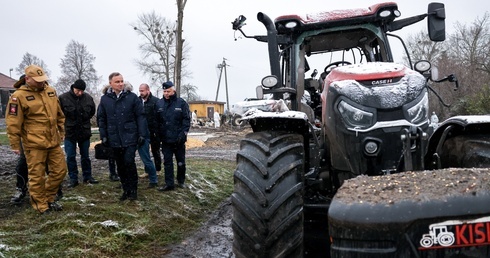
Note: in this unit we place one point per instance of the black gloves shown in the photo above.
(155, 137)
(105, 142)
(141, 141)
(181, 139)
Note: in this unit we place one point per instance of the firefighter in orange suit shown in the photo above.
(34, 117)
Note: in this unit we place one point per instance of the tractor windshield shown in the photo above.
(324, 50)
(347, 46)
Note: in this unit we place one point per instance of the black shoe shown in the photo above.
(72, 184)
(18, 196)
(166, 188)
(91, 180)
(114, 178)
(181, 185)
(55, 206)
(132, 195)
(59, 195)
(124, 196)
(152, 185)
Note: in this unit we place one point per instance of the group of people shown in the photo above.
(38, 121)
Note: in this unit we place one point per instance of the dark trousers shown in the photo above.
(168, 151)
(126, 167)
(71, 158)
(112, 167)
(21, 172)
(155, 151)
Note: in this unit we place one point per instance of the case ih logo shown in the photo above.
(384, 81)
(457, 233)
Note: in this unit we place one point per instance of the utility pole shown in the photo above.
(222, 67)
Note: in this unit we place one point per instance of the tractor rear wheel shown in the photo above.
(268, 196)
(236, 120)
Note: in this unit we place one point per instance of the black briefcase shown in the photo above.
(103, 152)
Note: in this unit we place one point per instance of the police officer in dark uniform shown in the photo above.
(173, 118)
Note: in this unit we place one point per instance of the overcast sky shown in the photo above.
(44, 28)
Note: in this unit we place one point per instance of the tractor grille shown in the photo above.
(390, 114)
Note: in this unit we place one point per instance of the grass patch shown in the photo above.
(4, 140)
(94, 223)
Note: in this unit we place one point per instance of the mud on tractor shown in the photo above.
(358, 114)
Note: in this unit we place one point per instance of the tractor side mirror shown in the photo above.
(436, 24)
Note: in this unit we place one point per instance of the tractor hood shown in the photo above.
(376, 84)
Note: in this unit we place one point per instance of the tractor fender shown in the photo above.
(290, 121)
(467, 128)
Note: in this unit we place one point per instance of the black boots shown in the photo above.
(18, 196)
(131, 195)
(114, 177)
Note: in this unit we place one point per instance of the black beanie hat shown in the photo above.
(79, 84)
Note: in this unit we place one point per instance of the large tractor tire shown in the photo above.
(268, 196)
(467, 151)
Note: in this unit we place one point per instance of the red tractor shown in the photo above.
(362, 114)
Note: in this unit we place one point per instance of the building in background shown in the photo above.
(6, 88)
(205, 108)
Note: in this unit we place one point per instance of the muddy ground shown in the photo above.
(214, 238)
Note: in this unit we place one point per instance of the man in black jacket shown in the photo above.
(122, 126)
(149, 104)
(78, 107)
(173, 118)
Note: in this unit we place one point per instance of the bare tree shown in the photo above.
(189, 92)
(78, 63)
(158, 49)
(471, 44)
(422, 48)
(467, 55)
(29, 59)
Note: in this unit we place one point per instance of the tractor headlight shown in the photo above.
(354, 117)
(419, 112)
(270, 81)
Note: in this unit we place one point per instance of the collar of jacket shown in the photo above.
(74, 95)
(172, 98)
(27, 87)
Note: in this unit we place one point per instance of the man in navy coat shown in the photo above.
(122, 126)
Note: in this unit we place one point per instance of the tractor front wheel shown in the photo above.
(268, 196)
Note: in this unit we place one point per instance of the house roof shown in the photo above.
(205, 102)
(6, 82)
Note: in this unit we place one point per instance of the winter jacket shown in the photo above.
(173, 118)
(35, 116)
(120, 119)
(78, 112)
(149, 108)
